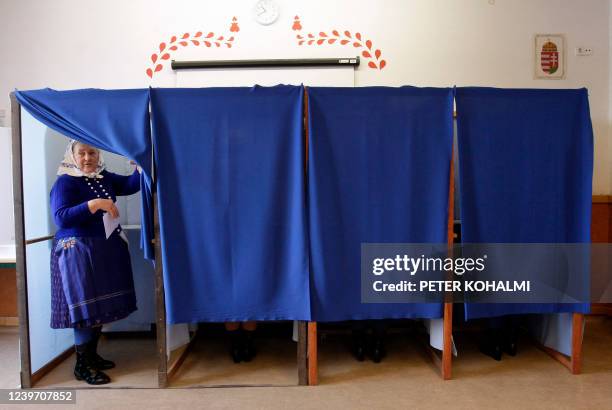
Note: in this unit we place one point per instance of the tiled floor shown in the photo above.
(406, 379)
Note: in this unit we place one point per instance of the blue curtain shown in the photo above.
(526, 167)
(112, 120)
(379, 163)
(230, 172)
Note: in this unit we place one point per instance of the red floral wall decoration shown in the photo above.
(344, 38)
(196, 39)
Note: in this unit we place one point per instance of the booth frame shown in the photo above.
(166, 370)
(307, 346)
(443, 361)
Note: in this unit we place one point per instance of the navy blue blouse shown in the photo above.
(69, 197)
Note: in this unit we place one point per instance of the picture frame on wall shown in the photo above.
(550, 56)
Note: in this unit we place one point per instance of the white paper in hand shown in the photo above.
(110, 224)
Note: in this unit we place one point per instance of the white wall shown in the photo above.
(74, 44)
(7, 231)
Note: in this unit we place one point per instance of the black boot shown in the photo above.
(378, 350)
(358, 344)
(85, 368)
(510, 340)
(491, 344)
(248, 345)
(235, 345)
(98, 361)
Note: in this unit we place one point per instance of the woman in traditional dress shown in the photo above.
(91, 274)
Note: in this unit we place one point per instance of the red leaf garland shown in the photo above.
(324, 38)
(156, 58)
(358, 42)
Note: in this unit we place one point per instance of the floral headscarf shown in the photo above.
(69, 165)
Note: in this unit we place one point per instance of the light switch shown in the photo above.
(584, 51)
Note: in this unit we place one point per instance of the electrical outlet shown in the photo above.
(584, 51)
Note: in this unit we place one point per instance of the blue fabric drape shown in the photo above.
(113, 120)
(379, 163)
(526, 166)
(230, 172)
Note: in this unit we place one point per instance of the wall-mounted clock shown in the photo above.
(266, 12)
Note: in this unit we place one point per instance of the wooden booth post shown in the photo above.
(27, 378)
(444, 361)
(313, 364)
(22, 286)
(160, 300)
(302, 353)
(577, 336)
(447, 347)
(308, 370)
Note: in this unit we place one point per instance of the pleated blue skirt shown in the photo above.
(91, 281)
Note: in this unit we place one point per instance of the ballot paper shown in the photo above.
(110, 224)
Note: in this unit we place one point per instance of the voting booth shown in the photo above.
(255, 201)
